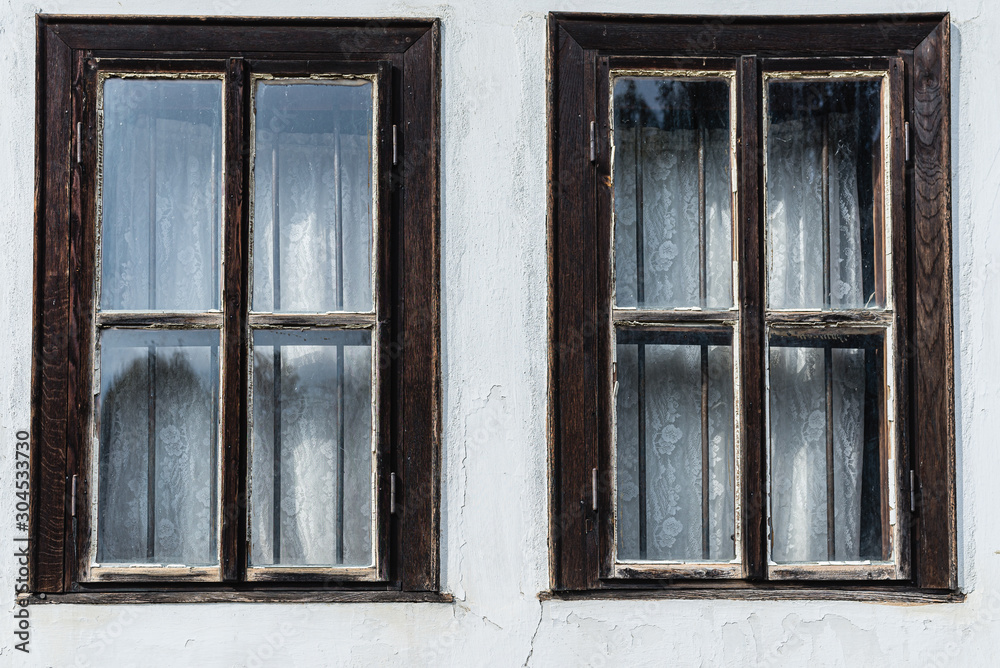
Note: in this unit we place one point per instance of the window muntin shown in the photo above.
(673, 174)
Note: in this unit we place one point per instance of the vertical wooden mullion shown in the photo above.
(641, 438)
(234, 354)
(750, 249)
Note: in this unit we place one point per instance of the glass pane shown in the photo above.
(313, 197)
(824, 194)
(675, 446)
(161, 181)
(311, 460)
(673, 194)
(158, 425)
(827, 466)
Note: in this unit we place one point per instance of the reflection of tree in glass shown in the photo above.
(632, 108)
(180, 409)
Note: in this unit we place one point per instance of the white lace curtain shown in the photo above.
(673, 419)
(797, 403)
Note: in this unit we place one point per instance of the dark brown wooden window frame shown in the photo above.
(579, 422)
(405, 54)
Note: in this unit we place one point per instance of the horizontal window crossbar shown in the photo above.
(163, 320)
(299, 320)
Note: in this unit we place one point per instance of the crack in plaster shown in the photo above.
(531, 643)
(467, 610)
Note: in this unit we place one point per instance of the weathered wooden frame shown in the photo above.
(580, 47)
(678, 320)
(69, 50)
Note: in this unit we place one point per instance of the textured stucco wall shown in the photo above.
(494, 522)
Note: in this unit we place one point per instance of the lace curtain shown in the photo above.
(158, 490)
(311, 444)
(796, 375)
(672, 419)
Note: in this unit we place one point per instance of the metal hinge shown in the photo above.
(913, 492)
(79, 133)
(906, 139)
(72, 497)
(395, 144)
(392, 493)
(593, 489)
(593, 141)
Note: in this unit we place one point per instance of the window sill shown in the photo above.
(341, 596)
(765, 592)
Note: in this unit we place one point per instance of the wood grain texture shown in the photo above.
(760, 43)
(304, 320)
(382, 329)
(80, 416)
(933, 337)
(405, 53)
(749, 228)
(736, 35)
(831, 319)
(652, 316)
(160, 320)
(235, 233)
(420, 367)
(900, 288)
(573, 433)
(244, 596)
(224, 35)
(49, 509)
(761, 592)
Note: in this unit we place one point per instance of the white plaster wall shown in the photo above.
(494, 518)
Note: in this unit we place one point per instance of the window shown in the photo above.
(236, 339)
(750, 288)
